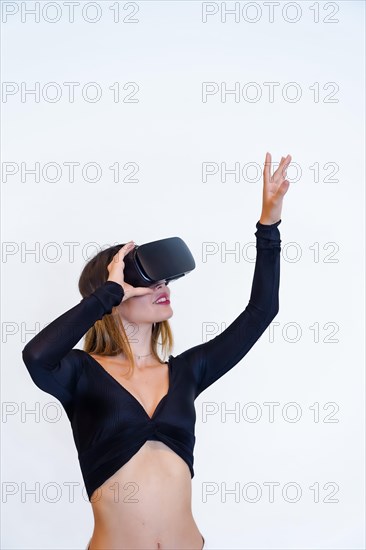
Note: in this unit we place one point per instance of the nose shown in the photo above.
(156, 285)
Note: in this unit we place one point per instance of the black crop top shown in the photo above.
(109, 425)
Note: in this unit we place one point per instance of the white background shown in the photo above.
(317, 352)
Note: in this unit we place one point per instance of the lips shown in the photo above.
(163, 295)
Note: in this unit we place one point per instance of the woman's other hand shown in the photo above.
(116, 273)
(274, 189)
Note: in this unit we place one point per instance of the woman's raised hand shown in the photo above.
(274, 189)
(116, 273)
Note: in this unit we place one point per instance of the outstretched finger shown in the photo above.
(126, 248)
(122, 252)
(287, 161)
(279, 168)
(267, 168)
(282, 167)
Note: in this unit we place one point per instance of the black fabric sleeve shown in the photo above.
(51, 362)
(214, 358)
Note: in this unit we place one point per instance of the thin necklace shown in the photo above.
(139, 356)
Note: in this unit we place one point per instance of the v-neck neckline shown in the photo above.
(130, 394)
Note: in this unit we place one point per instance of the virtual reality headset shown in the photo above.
(165, 259)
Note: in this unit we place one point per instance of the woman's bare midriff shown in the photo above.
(146, 504)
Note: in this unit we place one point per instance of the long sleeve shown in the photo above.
(214, 358)
(52, 363)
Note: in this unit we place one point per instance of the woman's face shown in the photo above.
(144, 309)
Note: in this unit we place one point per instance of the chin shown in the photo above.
(164, 316)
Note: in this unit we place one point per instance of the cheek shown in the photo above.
(137, 306)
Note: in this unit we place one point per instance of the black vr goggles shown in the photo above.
(165, 259)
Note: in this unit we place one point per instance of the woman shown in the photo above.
(132, 414)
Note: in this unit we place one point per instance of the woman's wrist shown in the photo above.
(268, 221)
